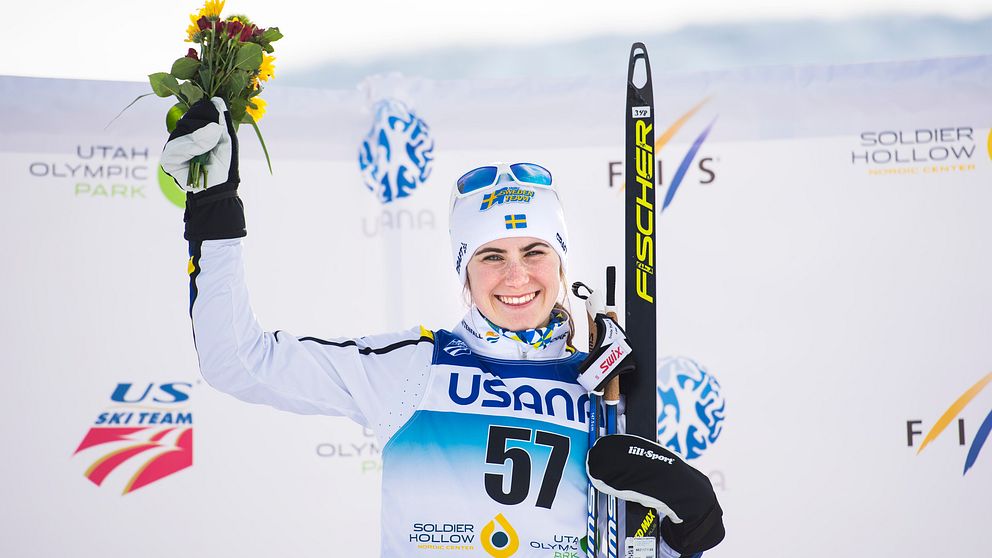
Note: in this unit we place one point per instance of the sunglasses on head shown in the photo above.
(491, 175)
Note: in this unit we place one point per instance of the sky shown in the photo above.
(126, 40)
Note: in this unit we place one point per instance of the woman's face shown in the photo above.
(515, 282)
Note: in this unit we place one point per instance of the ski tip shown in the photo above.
(638, 53)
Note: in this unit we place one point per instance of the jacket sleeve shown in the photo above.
(373, 380)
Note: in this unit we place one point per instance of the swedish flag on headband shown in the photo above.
(515, 221)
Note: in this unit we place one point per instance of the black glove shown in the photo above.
(216, 211)
(609, 357)
(638, 470)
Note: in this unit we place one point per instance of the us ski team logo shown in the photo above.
(457, 347)
(397, 154)
(690, 407)
(144, 435)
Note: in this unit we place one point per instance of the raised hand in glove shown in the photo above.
(206, 130)
(638, 470)
(609, 357)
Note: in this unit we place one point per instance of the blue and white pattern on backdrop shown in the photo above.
(690, 407)
(397, 154)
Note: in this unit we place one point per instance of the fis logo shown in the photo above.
(499, 538)
(690, 407)
(397, 154)
(649, 454)
(510, 194)
(952, 412)
(704, 164)
(146, 434)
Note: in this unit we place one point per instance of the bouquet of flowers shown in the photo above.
(233, 60)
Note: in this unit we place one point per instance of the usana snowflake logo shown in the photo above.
(690, 407)
(397, 154)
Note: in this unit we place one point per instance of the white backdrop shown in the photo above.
(825, 258)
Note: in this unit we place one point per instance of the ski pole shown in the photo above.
(592, 416)
(611, 397)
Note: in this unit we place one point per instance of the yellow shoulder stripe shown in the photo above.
(424, 332)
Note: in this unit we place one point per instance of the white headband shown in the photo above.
(508, 209)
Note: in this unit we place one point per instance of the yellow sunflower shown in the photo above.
(193, 28)
(267, 70)
(213, 8)
(259, 110)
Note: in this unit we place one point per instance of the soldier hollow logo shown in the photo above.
(690, 407)
(952, 414)
(916, 151)
(397, 154)
(144, 435)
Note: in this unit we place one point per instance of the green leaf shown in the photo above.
(185, 68)
(125, 108)
(271, 34)
(236, 84)
(261, 141)
(191, 91)
(205, 76)
(249, 57)
(237, 110)
(163, 84)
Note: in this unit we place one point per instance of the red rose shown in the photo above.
(234, 28)
(219, 27)
(192, 54)
(203, 23)
(246, 34)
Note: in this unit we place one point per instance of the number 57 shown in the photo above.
(520, 464)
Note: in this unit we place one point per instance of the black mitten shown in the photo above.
(638, 470)
(206, 130)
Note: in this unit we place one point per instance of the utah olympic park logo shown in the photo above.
(691, 407)
(144, 435)
(397, 154)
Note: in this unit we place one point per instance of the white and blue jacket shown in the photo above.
(484, 437)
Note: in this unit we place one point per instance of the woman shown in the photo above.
(483, 427)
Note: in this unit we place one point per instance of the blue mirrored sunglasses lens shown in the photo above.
(531, 173)
(477, 178)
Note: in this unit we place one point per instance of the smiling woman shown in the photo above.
(483, 426)
(508, 221)
(515, 282)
